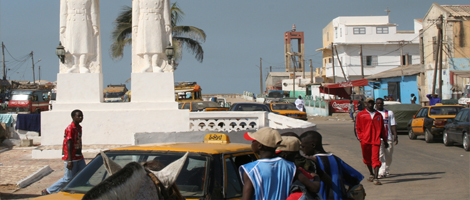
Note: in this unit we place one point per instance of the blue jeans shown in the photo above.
(78, 165)
(351, 114)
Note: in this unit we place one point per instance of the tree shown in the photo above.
(183, 36)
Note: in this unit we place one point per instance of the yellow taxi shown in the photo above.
(210, 172)
(195, 106)
(430, 121)
(287, 109)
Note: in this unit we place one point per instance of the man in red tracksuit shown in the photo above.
(370, 129)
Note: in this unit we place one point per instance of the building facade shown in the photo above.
(455, 28)
(379, 42)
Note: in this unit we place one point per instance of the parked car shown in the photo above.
(194, 106)
(458, 129)
(430, 121)
(288, 109)
(210, 171)
(403, 113)
(250, 107)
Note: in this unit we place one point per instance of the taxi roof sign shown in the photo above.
(216, 138)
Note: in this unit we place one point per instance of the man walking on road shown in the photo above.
(299, 103)
(71, 153)
(392, 138)
(370, 129)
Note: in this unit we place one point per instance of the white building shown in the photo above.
(383, 47)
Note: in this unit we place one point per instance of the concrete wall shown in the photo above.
(408, 86)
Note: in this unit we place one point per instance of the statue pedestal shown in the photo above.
(152, 109)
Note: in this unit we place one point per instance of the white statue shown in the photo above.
(151, 23)
(79, 33)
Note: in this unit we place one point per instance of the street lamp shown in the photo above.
(170, 53)
(60, 52)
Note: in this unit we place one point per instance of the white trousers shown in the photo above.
(385, 156)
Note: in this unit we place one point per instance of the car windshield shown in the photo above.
(190, 182)
(202, 105)
(286, 106)
(447, 110)
(113, 94)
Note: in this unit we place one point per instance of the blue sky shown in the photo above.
(239, 33)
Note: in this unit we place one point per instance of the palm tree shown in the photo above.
(183, 36)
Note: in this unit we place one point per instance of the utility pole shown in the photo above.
(260, 75)
(439, 46)
(311, 71)
(440, 59)
(333, 62)
(32, 61)
(39, 73)
(362, 62)
(401, 58)
(340, 64)
(4, 68)
(293, 79)
(270, 68)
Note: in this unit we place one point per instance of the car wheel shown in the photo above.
(411, 135)
(445, 139)
(428, 137)
(466, 142)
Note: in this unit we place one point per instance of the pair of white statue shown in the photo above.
(79, 33)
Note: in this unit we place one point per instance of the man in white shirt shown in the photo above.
(299, 103)
(390, 124)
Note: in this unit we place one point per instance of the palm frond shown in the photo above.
(192, 45)
(189, 32)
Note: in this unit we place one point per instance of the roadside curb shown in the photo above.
(34, 177)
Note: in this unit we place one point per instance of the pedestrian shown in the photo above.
(360, 105)
(289, 150)
(299, 103)
(370, 130)
(340, 172)
(433, 99)
(351, 109)
(390, 124)
(413, 98)
(258, 176)
(71, 153)
(254, 97)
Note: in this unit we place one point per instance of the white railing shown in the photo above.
(242, 121)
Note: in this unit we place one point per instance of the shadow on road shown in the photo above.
(389, 180)
(17, 196)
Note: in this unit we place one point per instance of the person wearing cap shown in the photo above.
(289, 150)
(340, 172)
(370, 130)
(269, 177)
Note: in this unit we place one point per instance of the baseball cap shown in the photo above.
(266, 136)
(370, 99)
(289, 143)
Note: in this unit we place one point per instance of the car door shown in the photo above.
(233, 187)
(418, 122)
(451, 127)
(461, 125)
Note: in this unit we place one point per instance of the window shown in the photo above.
(382, 30)
(360, 30)
(234, 186)
(406, 59)
(336, 32)
(340, 32)
(423, 113)
(370, 60)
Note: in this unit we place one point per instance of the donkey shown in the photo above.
(136, 181)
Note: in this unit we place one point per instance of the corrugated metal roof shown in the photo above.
(396, 72)
(457, 10)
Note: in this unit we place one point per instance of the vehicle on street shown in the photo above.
(465, 99)
(430, 121)
(250, 107)
(403, 113)
(114, 93)
(457, 130)
(195, 106)
(29, 101)
(288, 109)
(210, 171)
(187, 91)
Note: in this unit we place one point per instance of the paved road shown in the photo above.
(419, 170)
